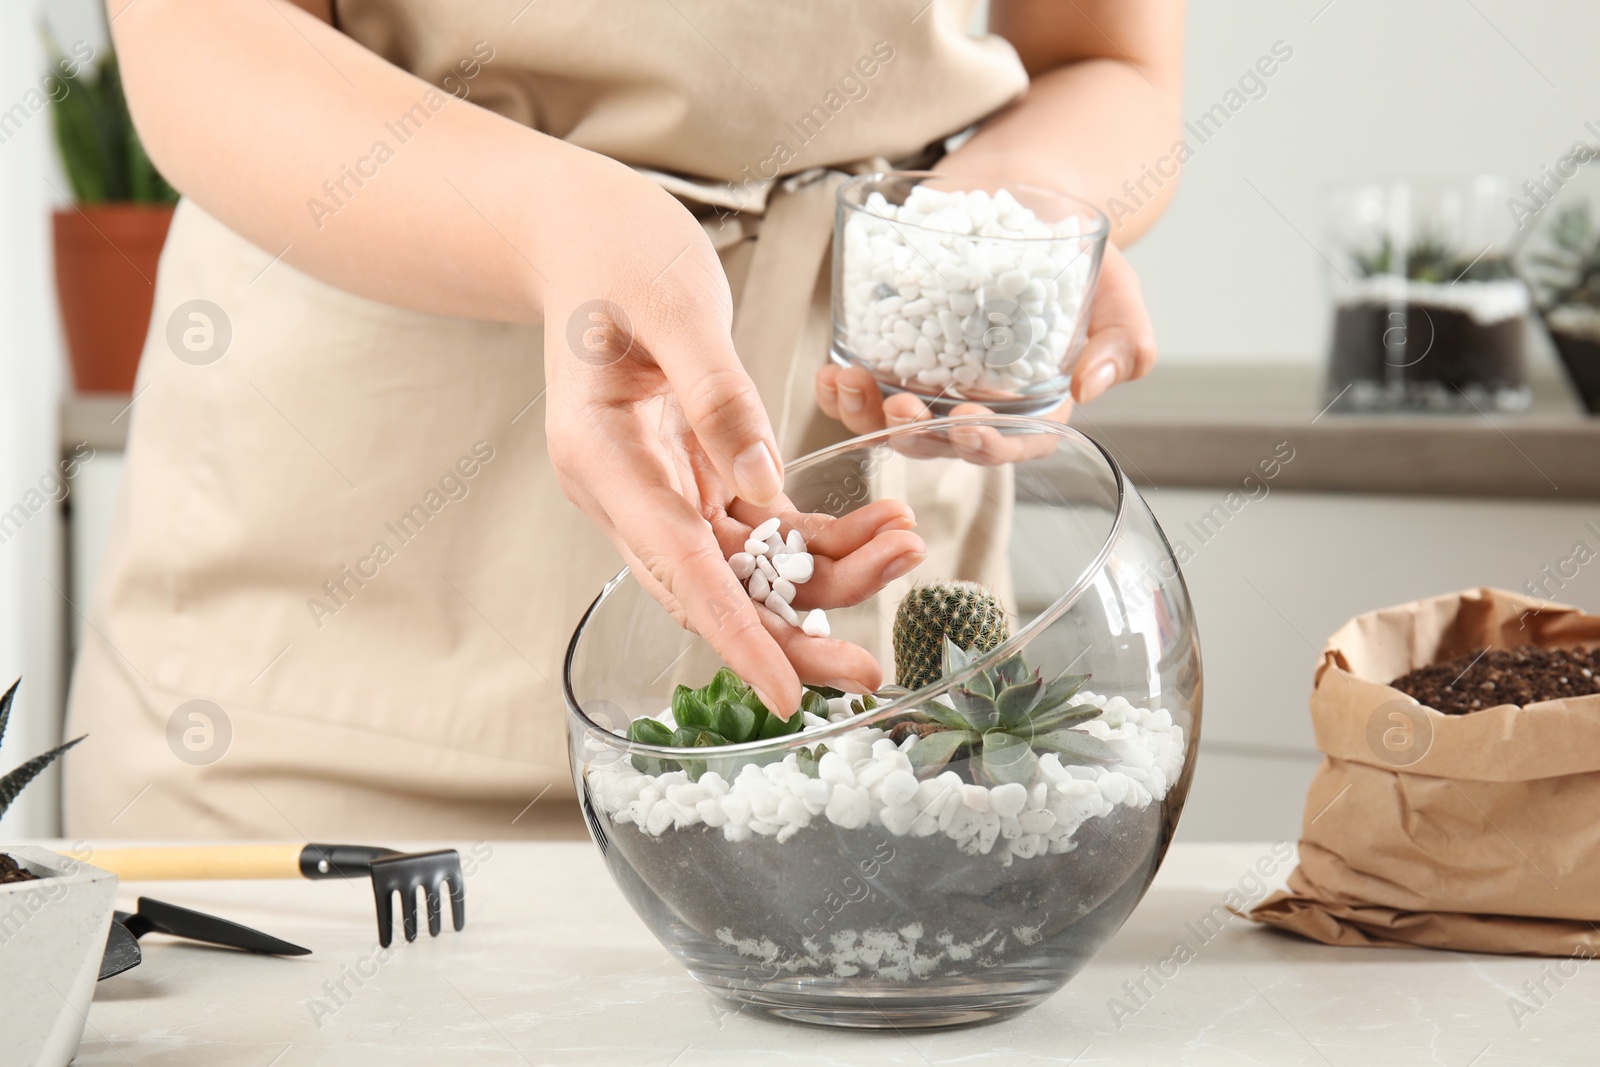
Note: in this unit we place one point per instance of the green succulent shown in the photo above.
(1568, 267)
(12, 784)
(964, 612)
(724, 711)
(1430, 258)
(1003, 719)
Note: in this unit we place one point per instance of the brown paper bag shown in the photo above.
(1476, 832)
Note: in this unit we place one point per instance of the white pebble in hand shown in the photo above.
(780, 607)
(816, 624)
(784, 588)
(743, 564)
(759, 586)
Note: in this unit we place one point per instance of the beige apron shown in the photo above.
(342, 575)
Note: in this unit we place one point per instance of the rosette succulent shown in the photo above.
(1003, 718)
(724, 711)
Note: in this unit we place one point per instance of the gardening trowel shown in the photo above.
(122, 945)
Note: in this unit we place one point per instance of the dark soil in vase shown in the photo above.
(828, 883)
(1580, 354)
(1503, 676)
(11, 871)
(1420, 354)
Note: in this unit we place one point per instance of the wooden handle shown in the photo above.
(183, 862)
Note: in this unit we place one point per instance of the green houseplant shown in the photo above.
(108, 242)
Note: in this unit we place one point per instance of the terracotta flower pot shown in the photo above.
(106, 256)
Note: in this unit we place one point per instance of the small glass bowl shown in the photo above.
(956, 314)
(976, 901)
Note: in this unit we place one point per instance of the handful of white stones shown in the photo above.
(962, 293)
(772, 566)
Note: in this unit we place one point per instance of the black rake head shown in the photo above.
(405, 873)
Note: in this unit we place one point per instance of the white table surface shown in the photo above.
(554, 968)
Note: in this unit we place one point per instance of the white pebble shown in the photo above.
(759, 586)
(755, 547)
(816, 623)
(975, 797)
(848, 808)
(743, 564)
(780, 607)
(1006, 800)
(765, 530)
(795, 543)
(784, 588)
(897, 820)
(898, 788)
(797, 568)
(766, 567)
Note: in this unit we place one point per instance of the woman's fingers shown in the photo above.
(720, 402)
(851, 395)
(1122, 340)
(675, 547)
(839, 583)
(823, 660)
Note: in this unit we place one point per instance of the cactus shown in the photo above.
(965, 613)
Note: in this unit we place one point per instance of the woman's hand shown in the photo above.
(1121, 346)
(658, 434)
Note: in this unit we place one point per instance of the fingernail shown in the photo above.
(852, 401)
(757, 474)
(770, 704)
(1099, 380)
(900, 566)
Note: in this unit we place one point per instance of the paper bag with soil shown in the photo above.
(1478, 832)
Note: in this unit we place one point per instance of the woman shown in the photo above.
(343, 572)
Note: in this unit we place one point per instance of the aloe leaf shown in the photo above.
(1063, 688)
(955, 660)
(1006, 758)
(944, 715)
(981, 684)
(13, 783)
(688, 709)
(724, 685)
(932, 751)
(649, 732)
(776, 727)
(1058, 718)
(1010, 672)
(1076, 746)
(815, 703)
(734, 721)
(1014, 703)
(974, 708)
(5, 707)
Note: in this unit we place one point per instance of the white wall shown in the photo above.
(1374, 88)
(31, 612)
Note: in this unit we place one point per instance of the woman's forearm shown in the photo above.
(1103, 111)
(359, 173)
(1095, 129)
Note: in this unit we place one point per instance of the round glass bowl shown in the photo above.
(829, 877)
(959, 292)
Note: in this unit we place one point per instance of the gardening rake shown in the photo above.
(391, 872)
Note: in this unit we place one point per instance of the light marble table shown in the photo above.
(554, 968)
